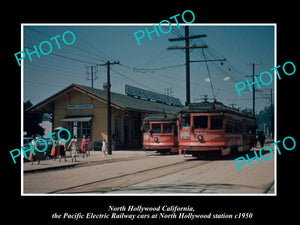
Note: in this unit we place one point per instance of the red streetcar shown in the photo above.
(160, 133)
(211, 128)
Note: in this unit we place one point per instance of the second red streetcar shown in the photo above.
(160, 133)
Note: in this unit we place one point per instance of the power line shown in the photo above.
(62, 56)
(134, 81)
(153, 69)
(76, 47)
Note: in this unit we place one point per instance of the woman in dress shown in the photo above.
(84, 143)
(54, 148)
(74, 147)
(36, 155)
(61, 146)
(104, 147)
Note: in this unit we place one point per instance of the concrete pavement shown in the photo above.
(95, 157)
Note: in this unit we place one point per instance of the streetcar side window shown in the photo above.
(175, 131)
(200, 121)
(216, 123)
(251, 128)
(229, 127)
(167, 128)
(156, 128)
(237, 129)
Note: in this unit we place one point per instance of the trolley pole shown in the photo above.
(109, 142)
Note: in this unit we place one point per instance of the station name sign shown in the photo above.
(80, 106)
(149, 95)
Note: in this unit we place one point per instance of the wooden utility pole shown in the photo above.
(108, 63)
(253, 92)
(272, 115)
(187, 48)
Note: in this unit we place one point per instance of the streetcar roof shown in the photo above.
(210, 107)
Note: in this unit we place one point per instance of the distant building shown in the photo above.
(83, 111)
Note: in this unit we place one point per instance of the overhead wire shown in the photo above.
(234, 73)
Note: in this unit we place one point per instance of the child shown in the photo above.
(104, 147)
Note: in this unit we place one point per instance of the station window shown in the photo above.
(200, 121)
(78, 129)
(86, 129)
(167, 128)
(216, 123)
(156, 128)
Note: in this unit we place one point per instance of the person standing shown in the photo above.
(84, 144)
(104, 147)
(37, 154)
(54, 148)
(261, 138)
(61, 150)
(74, 147)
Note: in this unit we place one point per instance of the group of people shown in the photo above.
(60, 148)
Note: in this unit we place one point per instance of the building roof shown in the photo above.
(119, 101)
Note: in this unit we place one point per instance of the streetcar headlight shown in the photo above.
(185, 135)
(156, 139)
(146, 137)
(200, 137)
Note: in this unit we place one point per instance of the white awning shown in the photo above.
(77, 119)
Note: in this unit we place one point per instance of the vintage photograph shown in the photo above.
(169, 108)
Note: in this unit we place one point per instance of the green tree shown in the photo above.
(266, 117)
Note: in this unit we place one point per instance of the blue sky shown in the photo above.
(240, 44)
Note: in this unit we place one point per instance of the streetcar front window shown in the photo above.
(147, 127)
(167, 128)
(216, 123)
(200, 122)
(156, 128)
(185, 121)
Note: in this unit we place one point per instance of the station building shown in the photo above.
(83, 111)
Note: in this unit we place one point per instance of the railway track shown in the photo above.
(114, 183)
